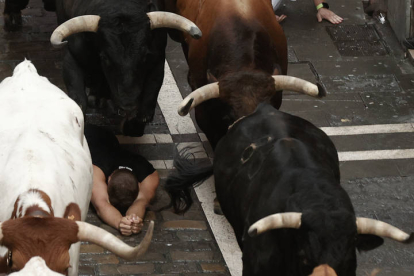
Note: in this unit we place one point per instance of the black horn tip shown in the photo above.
(252, 232)
(185, 109)
(59, 45)
(410, 240)
(195, 32)
(321, 90)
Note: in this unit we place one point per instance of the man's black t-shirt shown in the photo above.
(107, 154)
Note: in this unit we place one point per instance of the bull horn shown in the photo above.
(99, 236)
(299, 85)
(198, 96)
(382, 229)
(276, 221)
(84, 23)
(174, 21)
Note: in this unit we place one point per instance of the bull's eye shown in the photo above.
(247, 153)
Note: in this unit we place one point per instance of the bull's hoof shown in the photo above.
(133, 127)
(12, 22)
(217, 208)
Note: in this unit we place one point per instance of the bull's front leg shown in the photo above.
(152, 88)
(73, 77)
(147, 102)
(12, 14)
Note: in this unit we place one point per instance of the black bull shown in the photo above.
(115, 49)
(274, 163)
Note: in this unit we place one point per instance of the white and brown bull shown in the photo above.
(46, 178)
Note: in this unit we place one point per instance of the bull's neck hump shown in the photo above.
(242, 7)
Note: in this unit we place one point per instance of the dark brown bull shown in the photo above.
(242, 47)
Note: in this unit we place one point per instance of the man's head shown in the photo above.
(122, 189)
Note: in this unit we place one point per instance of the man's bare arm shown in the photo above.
(147, 190)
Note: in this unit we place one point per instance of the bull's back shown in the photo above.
(261, 158)
(41, 143)
(228, 20)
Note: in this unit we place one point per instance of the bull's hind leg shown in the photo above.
(13, 15)
(73, 77)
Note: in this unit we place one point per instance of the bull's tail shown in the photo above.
(187, 174)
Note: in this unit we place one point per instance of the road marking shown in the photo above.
(169, 99)
(375, 155)
(330, 131)
(368, 129)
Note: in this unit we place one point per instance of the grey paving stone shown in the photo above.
(193, 215)
(301, 70)
(374, 142)
(383, 108)
(291, 55)
(357, 66)
(370, 168)
(193, 137)
(406, 82)
(316, 117)
(185, 256)
(405, 166)
(179, 268)
(194, 236)
(175, 225)
(361, 83)
(314, 52)
(213, 267)
(136, 269)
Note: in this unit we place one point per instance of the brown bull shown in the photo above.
(242, 47)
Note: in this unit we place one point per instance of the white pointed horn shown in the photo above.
(276, 221)
(382, 229)
(91, 233)
(198, 96)
(84, 23)
(299, 85)
(174, 21)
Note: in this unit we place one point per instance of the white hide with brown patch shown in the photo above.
(35, 267)
(42, 147)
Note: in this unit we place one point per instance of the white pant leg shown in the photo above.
(276, 4)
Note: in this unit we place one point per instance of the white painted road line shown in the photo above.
(368, 129)
(169, 99)
(375, 155)
(223, 232)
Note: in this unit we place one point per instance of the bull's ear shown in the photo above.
(152, 6)
(3, 264)
(73, 212)
(210, 77)
(366, 242)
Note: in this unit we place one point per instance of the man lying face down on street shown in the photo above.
(123, 183)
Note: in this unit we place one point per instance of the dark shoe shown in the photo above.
(409, 42)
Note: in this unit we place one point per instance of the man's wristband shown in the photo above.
(322, 5)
